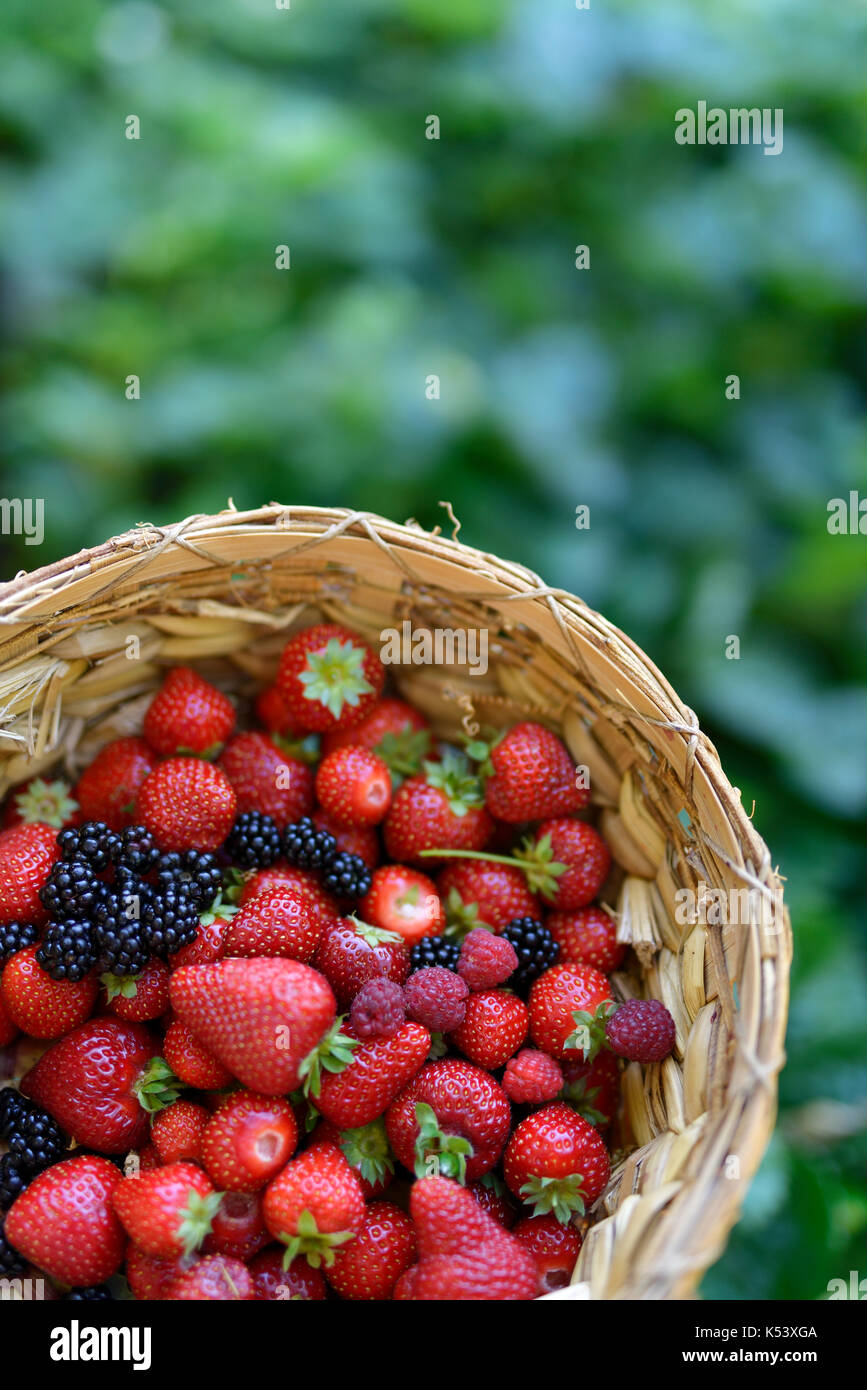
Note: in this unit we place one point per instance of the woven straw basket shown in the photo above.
(83, 643)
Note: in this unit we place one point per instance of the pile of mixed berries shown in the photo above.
(317, 1009)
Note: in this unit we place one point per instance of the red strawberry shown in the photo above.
(370, 1266)
(188, 715)
(209, 944)
(588, 935)
(142, 997)
(404, 901)
(377, 1071)
(366, 1151)
(238, 1227)
(98, 1084)
(49, 803)
(555, 999)
(494, 1027)
(593, 1088)
(276, 923)
(8, 1028)
(273, 1282)
(354, 786)
(555, 1161)
(491, 1195)
(476, 892)
(216, 1278)
(353, 952)
(148, 1157)
(261, 1018)
(329, 678)
(272, 712)
(149, 1276)
(64, 1222)
(190, 1060)
(465, 1118)
(532, 775)
(394, 730)
(167, 1211)
(186, 803)
(264, 779)
(532, 1077)
(39, 1005)
(108, 788)
(315, 1205)
(304, 884)
(554, 1247)
(248, 1140)
(586, 856)
(351, 839)
(465, 1254)
(443, 807)
(176, 1132)
(27, 854)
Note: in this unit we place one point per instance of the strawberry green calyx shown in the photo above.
(456, 779)
(332, 1053)
(404, 753)
(375, 936)
(234, 883)
(222, 908)
(47, 802)
(367, 1150)
(576, 1094)
(311, 1114)
(335, 676)
(589, 1032)
(438, 1047)
(318, 1246)
(495, 1183)
(304, 750)
(534, 859)
(563, 1197)
(461, 917)
(157, 1086)
(197, 1218)
(480, 750)
(438, 1154)
(124, 985)
(210, 753)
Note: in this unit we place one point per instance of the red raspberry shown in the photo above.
(436, 998)
(641, 1030)
(532, 1077)
(377, 1009)
(486, 960)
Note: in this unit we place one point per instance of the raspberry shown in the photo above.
(532, 1077)
(486, 960)
(377, 1010)
(641, 1030)
(436, 998)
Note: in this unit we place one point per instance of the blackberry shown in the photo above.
(92, 1294)
(93, 842)
(68, 950)
(254, 841)
(38, 1141)
(536, 949)
(13, 1108)
(10, 1261)
(124, 945)
(71, 890)
(198, 876)
(306, 847)
(170, 920)
(137, 849)
(347, 876)
(14, 1177)
(14, 936)
(435, 950)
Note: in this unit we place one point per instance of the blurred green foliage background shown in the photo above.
(410, 257)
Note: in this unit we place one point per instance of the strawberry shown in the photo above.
(261, 1018)
(49, 803)
(149, 1276)
(494, 1027)
(556, 1162)
(99, 1083)
(303, 882)
(353, 952)
(478, 893)
(176, 1132)
(238, 1228)
(265, 779)
(315, 1205)
(299, 1281)
(216, 1278)
(167, 1211)
(404, 901)
(588, 935)
(554, 1247)
(441, 807)
(394, 730)
(329, 678)
(532, 1077)
(108, 788)
(248, 1140)
(139, 998)
(209, 945)
(370, 1266)
(276, 923)
(593, 1088)
(9, 1030)
(556, 998)
(464, 1253)
(354, 786)
(39, 1005)
(65, 1224)
(452, 1118)
(188, 715)
(186, 803)
(271, 712)
(530, 775)
(586, 856)
(377, 1071)
(191, 1061)
(366, 1151)
(491, 1194)
(27, 854)
(350, 839)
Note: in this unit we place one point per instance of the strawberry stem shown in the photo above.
(318, 1246)
(534, 859)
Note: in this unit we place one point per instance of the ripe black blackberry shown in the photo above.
(306, 847)
(14, 1177)
(10, 1261)
(95, 1293)
(137, 849)
(254, 841)
(198, 876)
(170, 920)
(92, 842)
(13, 1108)
(71, 890)
(347, 876)
(68, 949)
(535, 947)
(37, 1140)
(435, 950)
(124, 945)
(14, 936)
